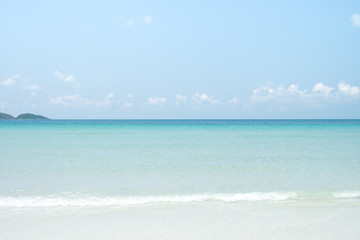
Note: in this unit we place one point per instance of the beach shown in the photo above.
(189, 221)
(180, 179)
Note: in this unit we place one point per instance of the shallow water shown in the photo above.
(70, 166)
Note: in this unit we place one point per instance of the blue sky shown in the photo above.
(183, 59)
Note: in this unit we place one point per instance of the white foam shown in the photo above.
(37, 201)
(347, 194)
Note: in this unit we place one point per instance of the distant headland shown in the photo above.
(23, 116)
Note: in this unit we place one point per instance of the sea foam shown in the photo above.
(347, 194)
(39, 201)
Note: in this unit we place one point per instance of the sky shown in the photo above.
(180, 59)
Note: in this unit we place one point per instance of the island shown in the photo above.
(6, 116)
(23, 116)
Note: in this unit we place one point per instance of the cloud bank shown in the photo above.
(320, 92)
(293, 94)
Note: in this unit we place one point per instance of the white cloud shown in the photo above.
(32, 87)
(110, 96)
(320, 95)
(234, 101)
(71, 100)
(204, 98)
(180, 99)
(10, 80)
(129, 21)
(321, 88)
(59, 74)
(69, 79)
(148, 19)
(348, 90)
(294, 89)
(127, 105)
(3, 105)
(76, 100)
(108, 99)
(157, 100)
(267, 92)
(355, 19)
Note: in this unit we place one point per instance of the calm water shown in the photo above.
(131, 162)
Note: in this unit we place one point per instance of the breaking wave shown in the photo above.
(39, 201)
(347, 194)
(96, 201)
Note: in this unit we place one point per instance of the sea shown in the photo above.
(179, 179)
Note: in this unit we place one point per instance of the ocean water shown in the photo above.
(136, 169)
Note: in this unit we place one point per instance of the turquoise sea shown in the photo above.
(177, 171)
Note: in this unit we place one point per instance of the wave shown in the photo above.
(347, 194)
(93, 201)
(39, 201)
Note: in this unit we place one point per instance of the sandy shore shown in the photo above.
(186, 221)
